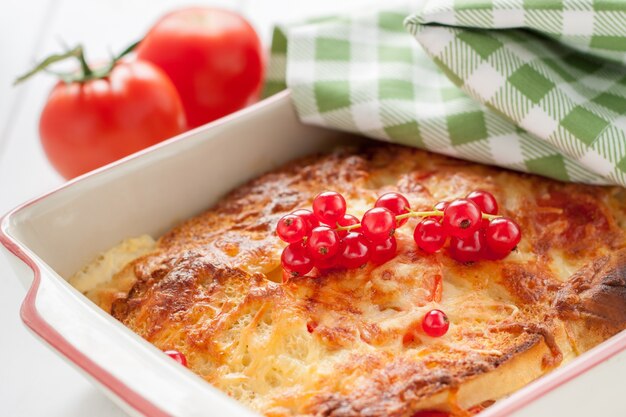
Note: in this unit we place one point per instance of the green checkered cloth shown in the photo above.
(533, 85)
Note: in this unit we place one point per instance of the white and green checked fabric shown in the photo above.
(597, 27)
(533, 85)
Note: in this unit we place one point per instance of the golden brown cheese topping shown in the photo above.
(347, 343)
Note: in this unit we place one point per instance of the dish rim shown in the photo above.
(36, 323)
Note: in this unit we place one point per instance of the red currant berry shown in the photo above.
(384, 251)
(296, 260)
(346, 220)
(470, 249)
(326, 264)
(323, 243)
(435, 323)
(441, 206)
(395, 203)
(177, 356)
(461, 218)
(378, 224)
(329, 207)
(356, 250)
(484, 200)
(502, 236)
(308, 217)
(430, 235)
(292, 228)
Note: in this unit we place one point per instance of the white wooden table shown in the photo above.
(33, 380)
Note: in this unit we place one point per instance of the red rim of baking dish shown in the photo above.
(31, 317)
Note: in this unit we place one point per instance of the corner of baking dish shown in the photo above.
(191, 395)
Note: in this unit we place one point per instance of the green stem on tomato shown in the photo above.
(127, 51)
(86, 73)
(43, 65)
(432, 213)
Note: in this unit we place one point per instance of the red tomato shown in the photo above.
(85, 125)
(213, 57)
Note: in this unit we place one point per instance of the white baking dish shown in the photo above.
(153, 190)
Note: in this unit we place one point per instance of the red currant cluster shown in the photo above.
(475, 230)
(328, 238)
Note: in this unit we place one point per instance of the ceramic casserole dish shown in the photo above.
(53, 236)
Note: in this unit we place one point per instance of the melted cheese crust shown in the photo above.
(348, 343)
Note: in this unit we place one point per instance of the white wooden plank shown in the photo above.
(18, 42)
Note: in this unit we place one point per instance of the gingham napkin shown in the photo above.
(532, 85)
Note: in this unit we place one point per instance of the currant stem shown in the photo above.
(432, 213)
(351, 227)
